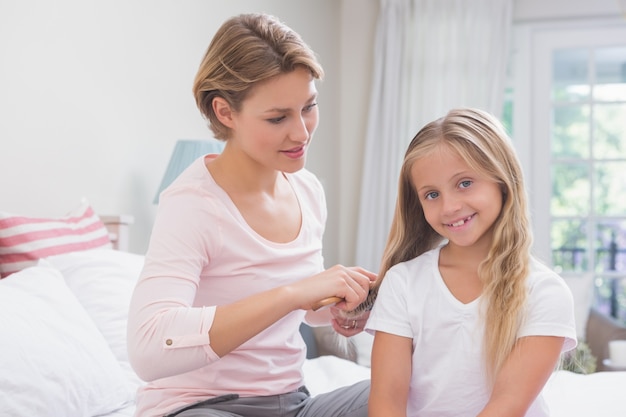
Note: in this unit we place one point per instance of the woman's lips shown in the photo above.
(295, 153)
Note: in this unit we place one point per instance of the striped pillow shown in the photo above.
(24, 240)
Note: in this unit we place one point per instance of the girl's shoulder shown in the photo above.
(542, 278)
(428, 259)
(541, 271)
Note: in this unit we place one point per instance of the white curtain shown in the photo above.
(430, 56)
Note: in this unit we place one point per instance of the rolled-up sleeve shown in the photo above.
(165, 336)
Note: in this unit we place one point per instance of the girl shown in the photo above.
(235, 257)
(466, 321)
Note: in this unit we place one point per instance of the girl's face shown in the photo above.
(459, 203)
(277, 120)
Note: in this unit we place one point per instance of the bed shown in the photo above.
(63, 301)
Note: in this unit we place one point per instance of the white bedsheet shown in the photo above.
(125, 412)
(602, 394)
(102, 281)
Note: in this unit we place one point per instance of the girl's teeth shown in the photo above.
(460, 222)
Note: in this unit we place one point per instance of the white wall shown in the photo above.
(358, 23)
(533, 10)
(94, 94)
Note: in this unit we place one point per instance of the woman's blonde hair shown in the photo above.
(247, 49)
(481, 141)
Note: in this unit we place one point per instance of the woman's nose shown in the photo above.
(299, 131)
(305, 125)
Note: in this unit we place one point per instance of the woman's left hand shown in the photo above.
(348, 326)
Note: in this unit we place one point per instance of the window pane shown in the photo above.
(570, 190)
(610, 130)
(610, 188)
(570, 75)
(569, 245)
(611, 246)
(610, 296)
(571, 131)
(610, 70)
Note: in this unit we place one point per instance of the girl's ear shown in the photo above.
(222, 111)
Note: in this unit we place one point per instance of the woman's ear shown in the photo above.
(223, 111)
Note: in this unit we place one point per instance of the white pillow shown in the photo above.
(103, 281)
(327, 373)
(53, 360)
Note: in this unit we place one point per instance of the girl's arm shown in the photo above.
(523, 375)
(391, 375)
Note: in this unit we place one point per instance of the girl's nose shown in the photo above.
(451, 204)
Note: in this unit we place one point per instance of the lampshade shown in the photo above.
(185, 152)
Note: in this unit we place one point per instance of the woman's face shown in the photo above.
(277, 120)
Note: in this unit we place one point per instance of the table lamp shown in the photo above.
(185, 152)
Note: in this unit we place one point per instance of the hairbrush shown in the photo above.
(366, 305)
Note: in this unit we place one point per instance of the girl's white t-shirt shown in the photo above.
(448, 374)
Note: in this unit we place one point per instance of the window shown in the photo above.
(588, 168)
(576, 153)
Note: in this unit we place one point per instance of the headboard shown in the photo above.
(119, 228)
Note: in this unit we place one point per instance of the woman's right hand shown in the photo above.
(349, 284)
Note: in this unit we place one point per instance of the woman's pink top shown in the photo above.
(202, 254)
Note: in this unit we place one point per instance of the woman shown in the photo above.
(235, 257)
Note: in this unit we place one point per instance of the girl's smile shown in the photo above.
(459, 203)
(461, 222)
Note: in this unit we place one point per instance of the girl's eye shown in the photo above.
(465, 184)
(431, 195)
(310, 107)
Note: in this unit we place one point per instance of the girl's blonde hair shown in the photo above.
(481, 141)
(246, 50)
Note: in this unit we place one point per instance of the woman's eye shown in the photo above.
(465, 184)
(276, 120)
(310, 107)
